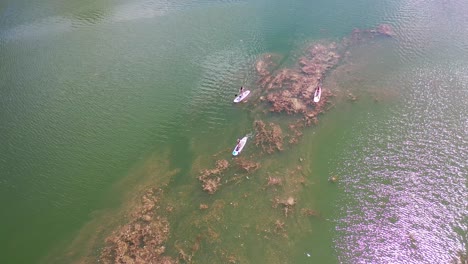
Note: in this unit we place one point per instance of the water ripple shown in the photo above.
(119, 13)
(222, 75)
(410, 186)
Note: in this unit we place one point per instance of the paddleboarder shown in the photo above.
(243, 93)
(238, 144)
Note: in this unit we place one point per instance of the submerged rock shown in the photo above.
(290, 201)
(247, 165)
(142, 239)
(269, 138)
(209, 177)
(309, 212)
(211, 185)
(274, 181)
(386, 30)
(333, 179)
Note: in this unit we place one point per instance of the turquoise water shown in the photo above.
(91, 91)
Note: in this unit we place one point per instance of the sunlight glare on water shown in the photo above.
(406, 191)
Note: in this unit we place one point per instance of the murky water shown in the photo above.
(101, 100)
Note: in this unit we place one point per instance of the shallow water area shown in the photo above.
(118, 118)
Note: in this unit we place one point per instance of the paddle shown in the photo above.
(239, 91)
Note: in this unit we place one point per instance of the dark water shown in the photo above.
(93, 94)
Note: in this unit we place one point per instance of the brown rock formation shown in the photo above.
(385, 29)
(270, 138)
(142, 239)
(247, 165)
(210, 177)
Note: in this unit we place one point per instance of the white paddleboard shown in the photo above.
(239, 146)
(318, 94)
(241, 96)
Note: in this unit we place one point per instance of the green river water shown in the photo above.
(100, 99)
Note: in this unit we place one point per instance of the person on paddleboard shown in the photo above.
(319, 86)
(238, 145)
(241, 90)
